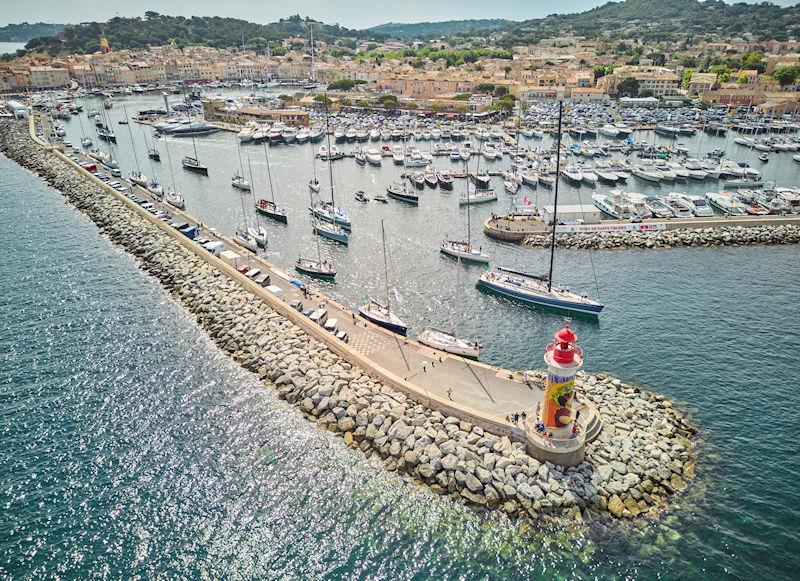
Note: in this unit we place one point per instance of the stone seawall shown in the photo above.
(640, 458)
(725, 236)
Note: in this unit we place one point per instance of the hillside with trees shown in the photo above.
(24, 31)
(656, 20)
(157, 29)
(445, 28)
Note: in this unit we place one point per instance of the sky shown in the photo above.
(348, 13)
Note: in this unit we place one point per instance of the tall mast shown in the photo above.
(252, 188)
(194, 146)
(312, 51)
(149, 159)
(169, 163)
(241, 164)
(555, 199)
(385, 267)
(244, 214)
(328, 139)
(269, 174)
(133, 145)
(469, 226)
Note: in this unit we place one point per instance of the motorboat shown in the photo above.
(445, 179)
(373, 156)
(646, 173)
(573, 173)
(381, 198)
(240, 183)
(153, 154)
(430, 177)
(727, 203)
(314, 184)
(678, 205)
(302, 136)
(614, 204)
(751, 203)
(639, 205)
(658, 208)
(449, 343)
(361, 197)
(482, 180)
(699, 205)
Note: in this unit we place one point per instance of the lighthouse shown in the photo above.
(564, 358)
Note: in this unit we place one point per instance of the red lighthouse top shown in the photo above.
(564, 348)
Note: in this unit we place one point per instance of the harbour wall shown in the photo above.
(729, 235)
(641, 457)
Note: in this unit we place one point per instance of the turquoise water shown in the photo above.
(10, 47)
(132, 446)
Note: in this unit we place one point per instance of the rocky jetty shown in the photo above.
(642, 456)
(725, 236)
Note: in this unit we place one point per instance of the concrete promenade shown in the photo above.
(517, 228)
(477, 388)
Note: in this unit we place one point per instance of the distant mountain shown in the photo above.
(25, 31)
(156, 29)
(445, 28)
(662, 20)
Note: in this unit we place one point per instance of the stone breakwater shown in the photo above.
(725, 236)
(641, 457)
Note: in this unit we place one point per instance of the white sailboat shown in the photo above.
(379, 313)
(458, 249)
(450, 342)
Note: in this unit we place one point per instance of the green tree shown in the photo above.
(484, 88)
(285, 98)
(599, 71)
(507, 70)
(786, 75)
(500, 90)
(687, 78)
(754, 60)
(628, 87)
(463, 96)
(388, 100)
(344, 102)
(742, 80)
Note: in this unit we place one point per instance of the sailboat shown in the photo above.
(464, 250)
(173, 196)
(192, 163)
(135, 177)
(255, 229)
(450, 342)
(534, 289)
(153, 186)
(330, 222)
(238, 181)
(318, 268)
(379, 313)
(398, 190)
(313, 183)
(269, 208)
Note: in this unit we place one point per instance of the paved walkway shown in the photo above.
(481, 387)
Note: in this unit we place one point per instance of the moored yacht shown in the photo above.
(727, 203)
(449, 343)
(700, 207)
